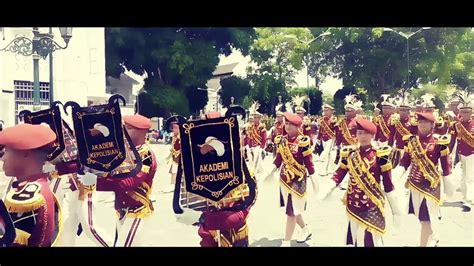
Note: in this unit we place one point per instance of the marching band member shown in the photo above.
(345, 127)
(31, 203)
(175, 152)
(279, 127)
(294, 159)
(132, 194)
(306, 128)
(256, 135)
(462, 132)
(385, 129)
(424, 152)
(364, 199)
(326, 134)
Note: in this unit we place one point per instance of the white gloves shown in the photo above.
(394, 200)
(48, 167)
(449, 187)
(324, 188)
(87, 179)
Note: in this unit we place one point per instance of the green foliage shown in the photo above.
(234, 87)
(175, 59)
(376, 60)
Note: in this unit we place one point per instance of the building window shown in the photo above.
(24, 95)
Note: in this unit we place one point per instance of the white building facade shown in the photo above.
(78, 71)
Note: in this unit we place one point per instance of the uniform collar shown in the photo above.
(32, 178)
(365, 149)
(426, 137)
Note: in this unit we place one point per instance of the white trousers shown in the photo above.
(255, 157)
(327, 157)
(467, 180)
(77, 212)
(433, 208)
(358, 233)
(131, 232)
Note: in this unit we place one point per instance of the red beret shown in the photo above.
(137, 121)
(367, 125)
(293, 118)
(213, 114)
(426, 116)
(27, 136)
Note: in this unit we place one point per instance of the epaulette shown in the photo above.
(406, 137)
(383, 154)
(347, 150)
(303, 141)
(340, 121)
(394, 118)
(442, 139)
(383, 151)
(27, 199)
(278, 139)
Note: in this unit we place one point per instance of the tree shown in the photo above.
(339, 97)
(377, 61)
(234, 87)
(280, 51)
(278, 54)
(315, 103)
(176, 60)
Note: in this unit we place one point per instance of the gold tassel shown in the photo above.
(21, 237)
(19, 206)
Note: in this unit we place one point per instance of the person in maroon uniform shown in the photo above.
(224, 224)
(132, 194)
(462, 132)
(385, 129)
(424, 152)
(294, 159)
(256, 137)
(404, 125)
(327, 133)
(345, 127)
(278, 129)
(31, 204)
(364, 199)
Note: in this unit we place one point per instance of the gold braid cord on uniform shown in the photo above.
(464, 134)
(346, 133)
(419, 157)
(238, 235)
(400, 128)
(174, 152)
(292, 167)
(381, 123)
(253, 133)
(359, 170)
(327, 129)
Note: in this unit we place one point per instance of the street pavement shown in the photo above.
(327, 219)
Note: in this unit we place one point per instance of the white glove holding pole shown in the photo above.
(324, 188)
(449, 186)
(269, 177)
(87, 179)
(395, 202)
(395, 199)
(48, 167)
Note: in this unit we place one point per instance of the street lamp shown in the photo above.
(41, 45)
(407, 37)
